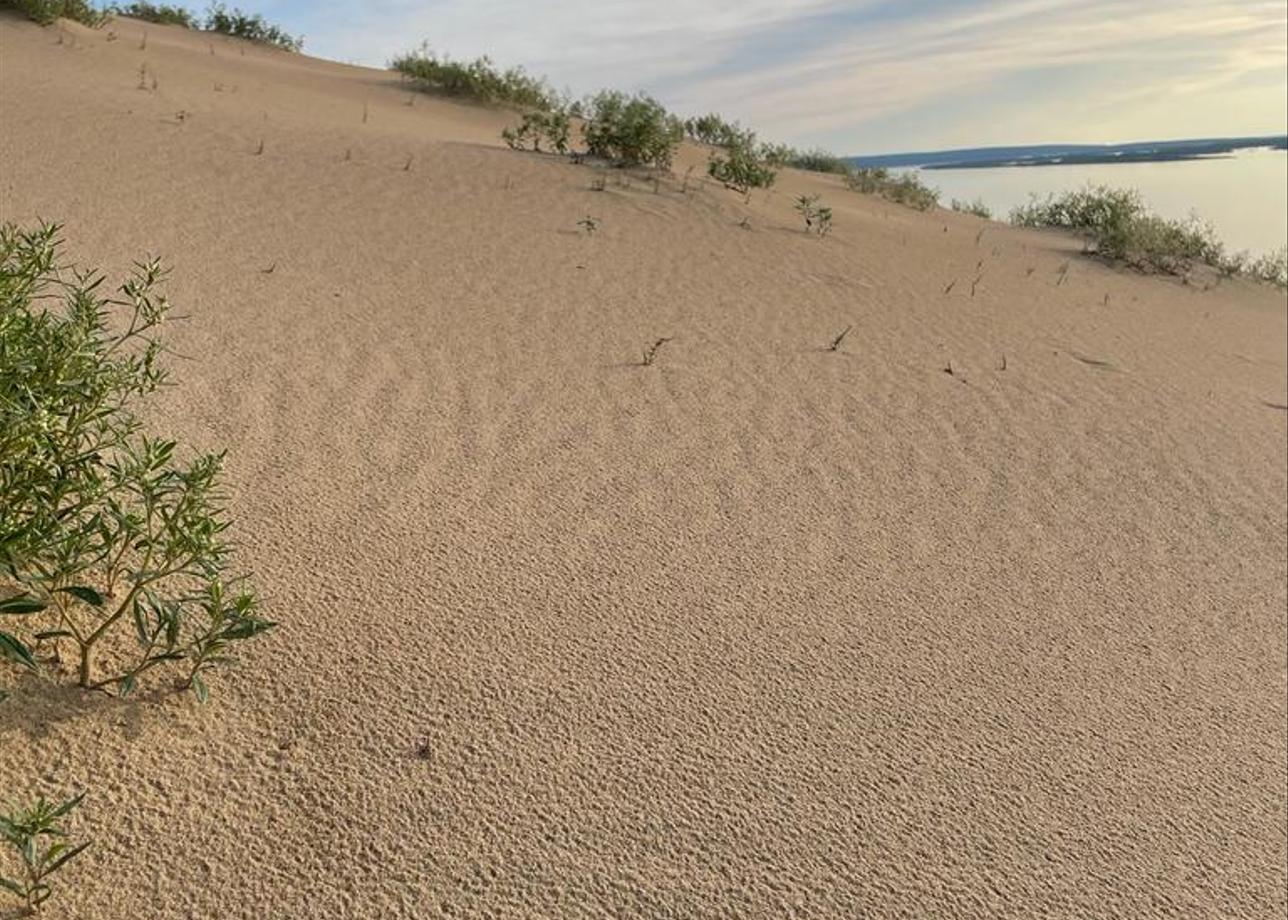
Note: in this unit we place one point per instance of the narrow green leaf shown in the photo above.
(67, 806)
(199, 688)
(126, 686)
(14, 650)
(10, 885)
(20, 604)
(70, 854)
(54, 634)
(86, 594)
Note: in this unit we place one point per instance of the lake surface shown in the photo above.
(1244, 196)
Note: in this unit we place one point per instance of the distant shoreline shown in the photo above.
(1075, 154)
(1076, 159)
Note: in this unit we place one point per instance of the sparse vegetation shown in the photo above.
(37, 834)
(714, 130)
(479, 80)
(902, 188)
(47, 12)
(1116, 225)
(160, 13)
(741, 166)
(835, 344)
(103, 532)
(250, 27)
(818, 218)
(817, 160)
(589, 224)
(976, 207)
(650, 353)
(631, 130)
(550, 127)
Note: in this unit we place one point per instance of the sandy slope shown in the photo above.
(758, 632)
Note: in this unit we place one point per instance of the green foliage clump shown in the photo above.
(551, 127)
(103, 533)
(1270, 268)
(1116, 224)
(713, 130)
(776, 155)
(46, 12)
(37, 833)
(818, 160)
(818, 218)
(631, 130)
(741, 169)
(253, 28)
(976, 207)
(478, 79)
(902, 188)
(161, 13)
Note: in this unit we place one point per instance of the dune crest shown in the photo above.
(980, 613)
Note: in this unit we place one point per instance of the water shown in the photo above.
(1245, 196)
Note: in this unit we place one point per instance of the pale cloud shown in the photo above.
(869, 76)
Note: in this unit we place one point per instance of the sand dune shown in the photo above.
(760, 631)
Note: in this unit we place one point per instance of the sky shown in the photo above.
(866, 76)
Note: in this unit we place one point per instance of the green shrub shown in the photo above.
(1271, 268)
(631, 130)
(102, 532)
(818, 160)
(46, 12)
(818, 218)
(479, 80)
(976, 207)
(776, 155)
(903, 188)
(160, 13)
(714, 130)
(37, 835)
(253, 28)
(1116, 225)
(551, 127)
(741, 167)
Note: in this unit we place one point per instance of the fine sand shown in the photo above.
(760, 631)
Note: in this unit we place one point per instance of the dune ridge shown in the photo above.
(761, 630)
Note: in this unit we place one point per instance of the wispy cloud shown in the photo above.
(869, 75)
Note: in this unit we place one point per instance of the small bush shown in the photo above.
(102, 532)
(776, 155)
(479, 80)
(1271, 268)
(741, 167)
(161, 13)
(37, 834)
(714, 130)
(253, 28)
(976, 207)
(1116, 225)
(551, 127)
(46, 12)
(818, 160)
(818, 218)
(631, 130)
(902, 188)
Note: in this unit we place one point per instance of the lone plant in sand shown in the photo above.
(650, 353)
(589, 224)
(835, 344)
(103, 533)
(818, 218)
(551, 127)
(36, 833)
